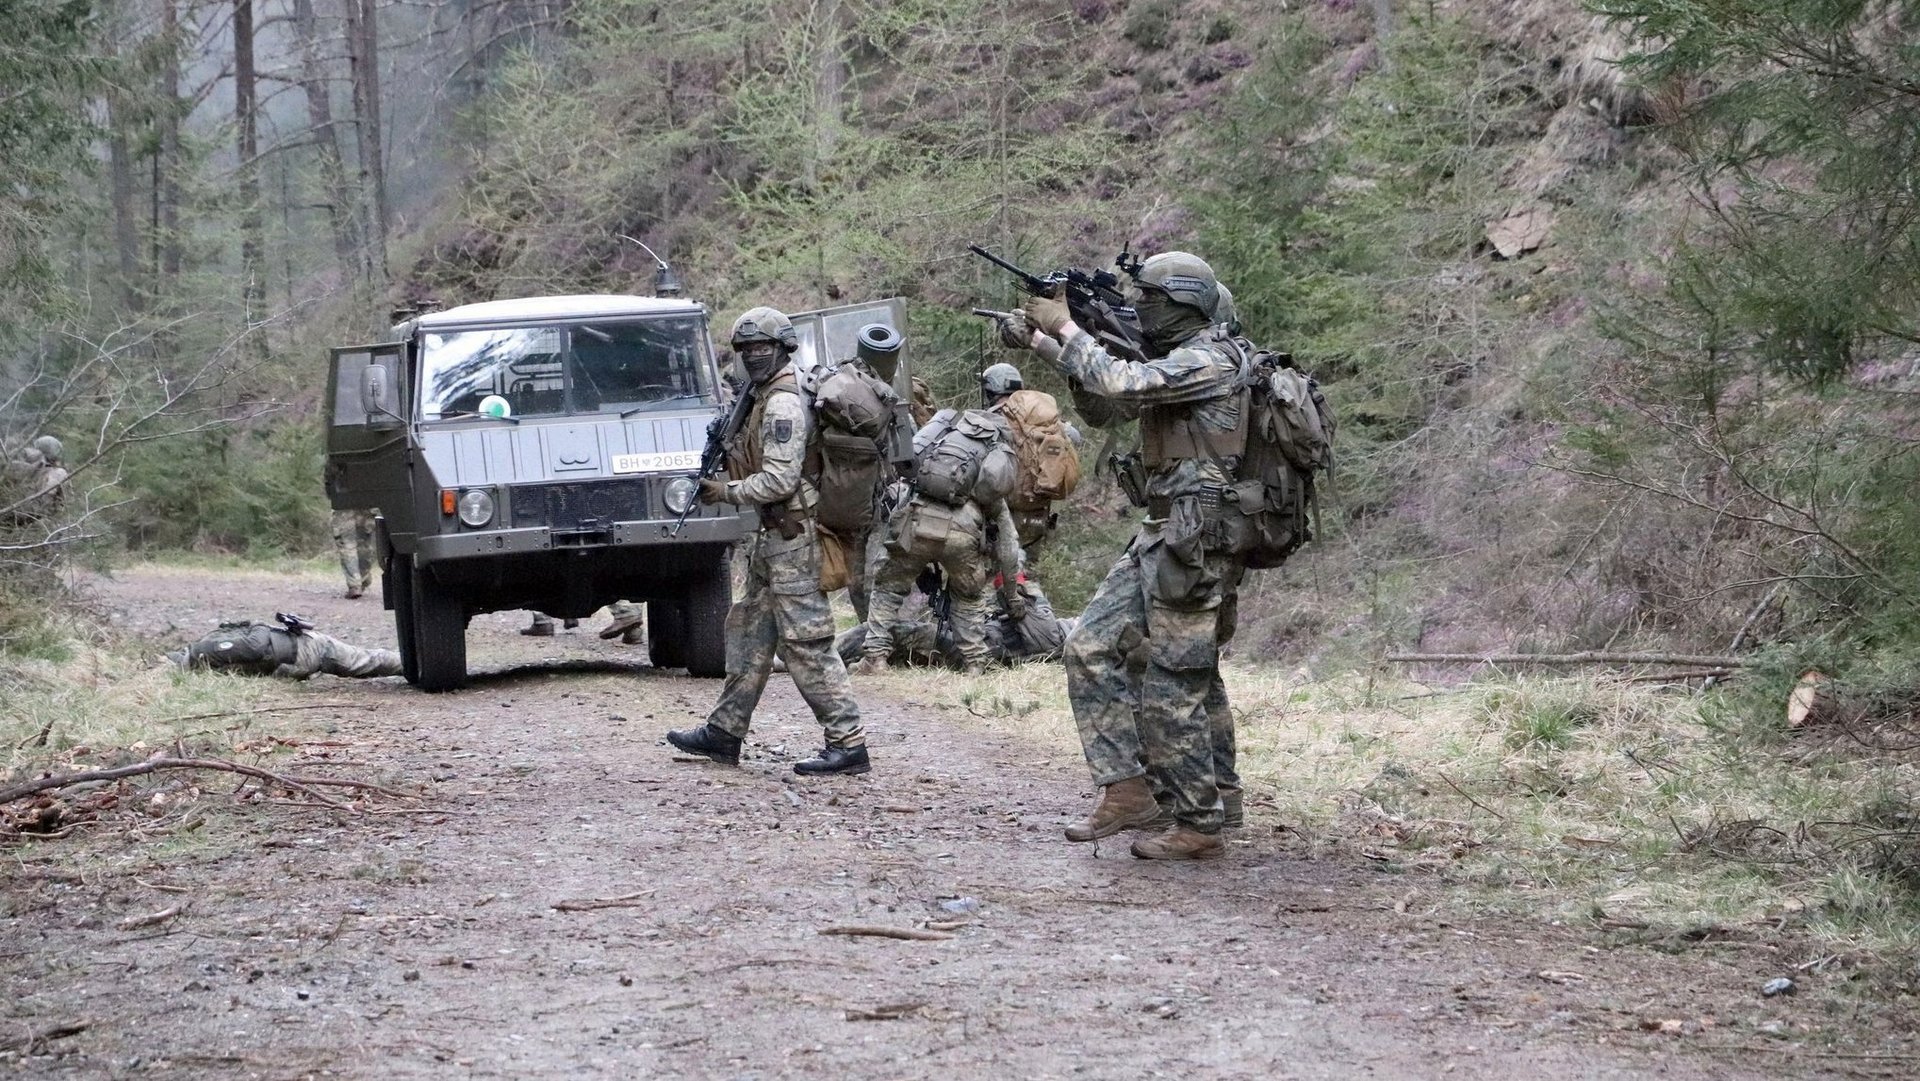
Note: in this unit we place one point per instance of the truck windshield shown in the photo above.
(552, 370)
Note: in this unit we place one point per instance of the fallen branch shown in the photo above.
(588, 904)
(302, 785)
(1567, 658)
(1463, 795)
(265, 709)
(152, 919)
(911, 934)
(58, 1032)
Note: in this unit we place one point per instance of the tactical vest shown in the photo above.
(1170, 433)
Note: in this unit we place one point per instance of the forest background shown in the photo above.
(1614, 301)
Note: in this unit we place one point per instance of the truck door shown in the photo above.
(827, 336)
(367, 426)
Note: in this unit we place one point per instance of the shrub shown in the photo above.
(1150, 25)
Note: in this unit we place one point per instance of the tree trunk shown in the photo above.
(363, 52)
(126, 233)
(252, 244)
(166, 242)
(333, 171)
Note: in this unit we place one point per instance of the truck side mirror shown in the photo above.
(376, 395)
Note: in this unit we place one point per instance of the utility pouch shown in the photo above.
(1131, 474)
(783, 520)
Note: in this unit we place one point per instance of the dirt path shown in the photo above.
(427, 944)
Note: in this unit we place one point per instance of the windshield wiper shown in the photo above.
(457, 413)
(629, 414)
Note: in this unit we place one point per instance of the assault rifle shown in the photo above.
(720, 431)
(1096, 299)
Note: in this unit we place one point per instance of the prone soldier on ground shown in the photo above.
(291, 650)
(925, 636)
(954, 514)
(782, 607)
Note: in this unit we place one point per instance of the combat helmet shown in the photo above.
(49, 447)
(1223, 310)
(1185, 279)
(765, 324)
(1000, 380)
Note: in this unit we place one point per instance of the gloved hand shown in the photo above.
(713, 490)
(1016, 333)
(1016, 607)
(1046, 314)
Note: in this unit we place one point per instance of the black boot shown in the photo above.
(836, 760)
(709, 741)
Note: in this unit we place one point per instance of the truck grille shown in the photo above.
(587, 505)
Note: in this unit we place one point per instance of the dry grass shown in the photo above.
(1626, 807)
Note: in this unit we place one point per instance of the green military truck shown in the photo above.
(537, 454)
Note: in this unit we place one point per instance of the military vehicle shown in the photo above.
(538, 454)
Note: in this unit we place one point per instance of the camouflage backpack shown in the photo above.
(1049, 467)
(853, 410)
(1289, 443)
(950, 459)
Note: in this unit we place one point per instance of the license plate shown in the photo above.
(665, 462)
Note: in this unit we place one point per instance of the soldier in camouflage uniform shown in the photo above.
(1170, 584)
(927, 640)
(353, 543)
(782, 607)
(959, 539)
(294, 651)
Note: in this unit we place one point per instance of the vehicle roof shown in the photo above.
(582, 306)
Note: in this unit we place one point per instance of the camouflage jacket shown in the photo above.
(769, 455)
(1195, 384)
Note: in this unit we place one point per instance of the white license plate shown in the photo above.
(666, 462)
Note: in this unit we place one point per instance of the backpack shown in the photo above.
(1289, 443)
(1049, 469)
(854, 410)
(948, 465)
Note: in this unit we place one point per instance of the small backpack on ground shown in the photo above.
(948, 464)
(1049, 467)
(1289, 443)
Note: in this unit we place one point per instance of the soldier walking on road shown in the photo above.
(353, 543)
(782, 607)
(1171, 582)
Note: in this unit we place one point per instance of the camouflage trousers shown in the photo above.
(865, 553)
(1171, 602)
(353, 542)
(315, 652)
(782, 609)
(961, 554)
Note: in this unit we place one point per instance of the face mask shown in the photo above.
(763, 360)
(1165, 324)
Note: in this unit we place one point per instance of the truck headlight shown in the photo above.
(476, 507)
(680, 494)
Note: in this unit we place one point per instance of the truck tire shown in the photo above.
(666, 631)
(439, 636)
(398, 579)
(704, 637)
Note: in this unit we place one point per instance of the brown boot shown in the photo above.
(1126, 805)
(1179, 843)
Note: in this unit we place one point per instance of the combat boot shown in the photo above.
(872, 664)
(622, 626)
(1125, 805)
(1234, 802)
(849, 760)
(709, 741)
(1179, 843)
(541, 627)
